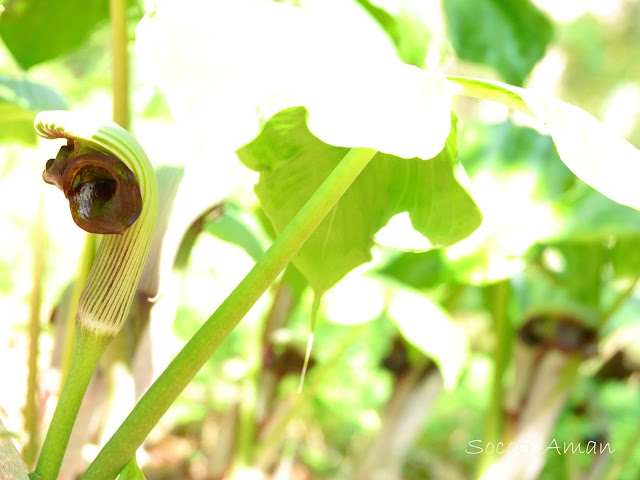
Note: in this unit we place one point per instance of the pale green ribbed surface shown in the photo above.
(112, 282)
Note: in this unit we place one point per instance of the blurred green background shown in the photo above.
(527, 331)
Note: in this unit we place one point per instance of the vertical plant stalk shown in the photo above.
(31, 410)
(413, 396)
(112, 190)
(119, 42)
(152, 406)
(82, 273)
(120, 395)
(493, 429)
(245, 431)
(120, 386)
(87, 350)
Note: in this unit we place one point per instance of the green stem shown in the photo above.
(493, 428)
(245, 431)
(152, 406)
(31, 412)
(120, 388)
(119, 40)
(87, 351)
(82, 273)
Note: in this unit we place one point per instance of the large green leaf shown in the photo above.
(232, 227)
(39, 30)
(293, 163)
(413, 26)
(20, 100)
(231, 67)
(546, 204)
(508, 35)
(593, 152)
(223, 86)
(419, 270)
(516, 178)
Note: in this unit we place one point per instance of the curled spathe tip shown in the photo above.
(103, 193)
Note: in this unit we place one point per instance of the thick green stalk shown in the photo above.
(152, 406)
(87, 350)
(82, 272)
(120, 388)
(498, 302)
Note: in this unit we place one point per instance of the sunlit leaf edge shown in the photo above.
(597, 156)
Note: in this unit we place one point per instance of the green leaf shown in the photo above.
(592, 152)
(293, 163)
(535, 291)
(131, 471)
(589, 215)
(224, 85)
(516, 176)
(421, 270)
(233, 228)
(20, 100)
(30, 95)
(625, 257)
(39, 30)
(583, 268)
(413, 26)
(508, 35)
(547, 204)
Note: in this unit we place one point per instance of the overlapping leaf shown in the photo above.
(229, 70)
(592, 152)
(414, 26)
(20, 100)
(547, 205)
(293, 163)
(36, 31)
(508, 35)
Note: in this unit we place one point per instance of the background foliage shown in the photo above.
(430, 342)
